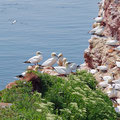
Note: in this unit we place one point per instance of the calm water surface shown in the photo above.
(44, 25)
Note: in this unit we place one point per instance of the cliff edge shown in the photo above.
(102, 57)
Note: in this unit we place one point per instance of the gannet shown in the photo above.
(60, 59)
(51, 61)
(98, 19)
(118, 100)
(103, 84)
(116, 81)
(102, 68)
(94, 29)
(36, 59)
(28, 68)
(73, 66)
(117, 48)
(118, 63)
(116, 86)
(112, 42)
(117, 109)
(61, 70)
(93, 71)
(113, 93)
(64, 61)
(107, 78)
(22, 74)
(14, 21)
(95, 25)
(99, 31)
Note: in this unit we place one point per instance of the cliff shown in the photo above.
(102, 57)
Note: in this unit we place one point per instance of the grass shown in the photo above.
(73, 98)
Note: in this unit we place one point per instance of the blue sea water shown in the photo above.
(44, 25)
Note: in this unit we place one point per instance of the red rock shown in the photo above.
(10, 85)
(112, 19)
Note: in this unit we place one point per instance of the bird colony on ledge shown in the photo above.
(64, 67)
(102, 57)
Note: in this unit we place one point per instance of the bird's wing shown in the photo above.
(73, 66)
(47, 62)
(60, 70)
(60, 61)
(33, 58)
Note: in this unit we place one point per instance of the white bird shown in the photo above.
(117, 48)
(98, 19)
(118, 63)
(51, 61)
(112, 42)
(116, 86)
(103, 84)
(73, 66)
(64, 61)
(108, 78)
(95, 29)
(112, 93)
(116, 81)
(102, 68)
(29, 68)
(60, 59)
(36, 59)
(99, 31)
(95, 25)
(14, 21)
(61, 70)
(22, 74)
(93, 71)
(117, 109)
(118, 100)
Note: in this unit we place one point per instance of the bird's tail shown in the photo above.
(19, 76)
(78, 66)
(27, 62)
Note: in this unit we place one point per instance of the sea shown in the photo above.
(27, 26)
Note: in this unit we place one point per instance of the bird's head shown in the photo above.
(64, 60)
(60, 55)
(38, 53)
(53, 54)
(67, 64)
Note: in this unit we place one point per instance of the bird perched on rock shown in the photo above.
(22, 75)
(73, 66)
(60, 59)
(117, 48)
(36, 59)
(118, 63)
(95, 25)
(112, 42)
(61, 70)
(99, 31)
(64, 61)
(51, 61)
(102, 68)
(29, 68)
(98, 19)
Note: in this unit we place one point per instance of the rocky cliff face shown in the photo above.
(112, 18)
(99, 53)
(102, 57)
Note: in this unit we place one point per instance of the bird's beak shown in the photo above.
(59, 56)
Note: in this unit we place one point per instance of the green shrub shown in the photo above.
(71, 98)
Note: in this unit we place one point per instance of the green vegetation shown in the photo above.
(71, 98)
